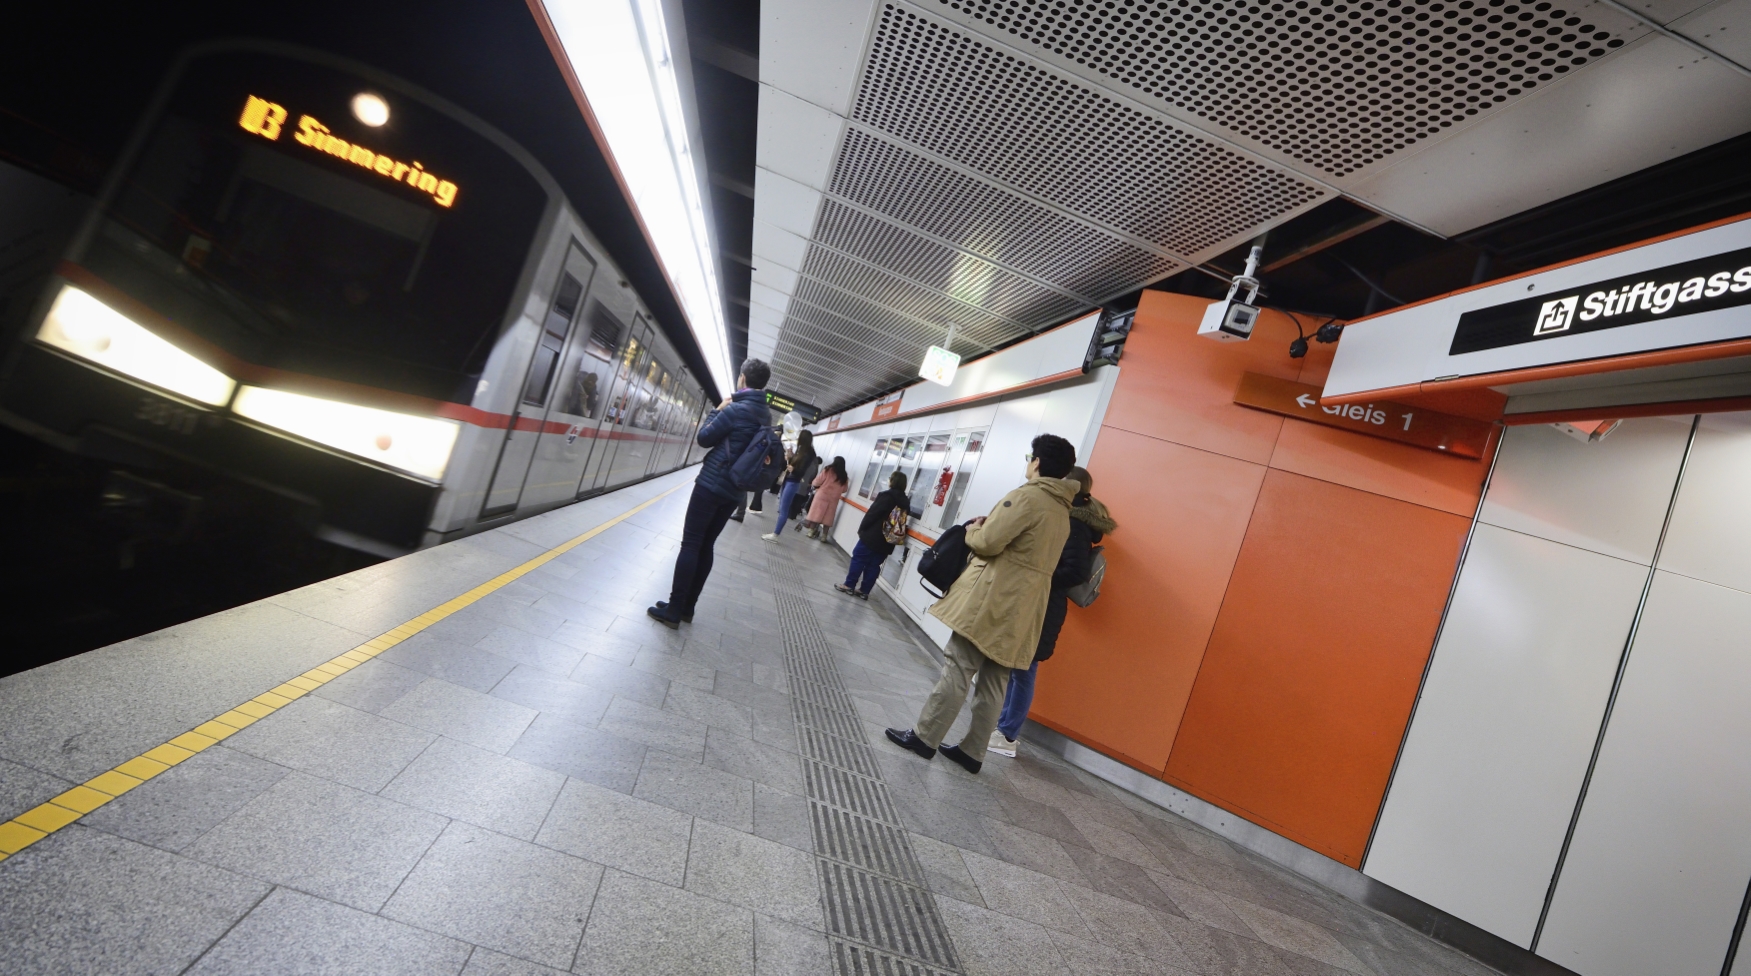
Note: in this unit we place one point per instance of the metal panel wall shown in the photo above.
(1661, 855)
(1510, 711)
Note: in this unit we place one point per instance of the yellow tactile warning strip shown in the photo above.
(38, 822)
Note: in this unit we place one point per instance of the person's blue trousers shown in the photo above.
(865, 567)
(786, 498)
(1017, 701)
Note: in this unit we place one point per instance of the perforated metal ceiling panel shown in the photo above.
(1336, 84)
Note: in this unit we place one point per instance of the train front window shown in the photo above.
(290, 253)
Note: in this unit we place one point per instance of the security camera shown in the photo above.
(1232, 318)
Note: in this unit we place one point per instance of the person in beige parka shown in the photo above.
(997, 605)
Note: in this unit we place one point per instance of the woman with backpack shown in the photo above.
(883, 527)
(1089, 523)
(829, 487)
(803, 464)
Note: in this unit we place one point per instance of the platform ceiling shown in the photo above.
(999, 167)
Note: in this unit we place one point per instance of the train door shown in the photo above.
(613, 431)
(663, 395)
(524, 431)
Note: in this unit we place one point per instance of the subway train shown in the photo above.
(318, 280)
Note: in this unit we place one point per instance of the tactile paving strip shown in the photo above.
(881, 919)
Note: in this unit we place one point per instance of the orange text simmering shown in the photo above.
(265, 118)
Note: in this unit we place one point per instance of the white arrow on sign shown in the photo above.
(1305, 401)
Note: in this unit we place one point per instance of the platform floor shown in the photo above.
(543, 781)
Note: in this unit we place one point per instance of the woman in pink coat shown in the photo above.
(829, 487)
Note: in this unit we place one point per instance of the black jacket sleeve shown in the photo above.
(1077, 560)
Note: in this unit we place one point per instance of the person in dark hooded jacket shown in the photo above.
(727, 431)
(1089, 523)
(872, 548)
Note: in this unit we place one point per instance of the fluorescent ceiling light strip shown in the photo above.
(620, 53)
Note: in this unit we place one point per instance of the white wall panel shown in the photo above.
(1609, 497)
(1710, 537)
(1662, 851)
(1002, 469)
(1490, 771)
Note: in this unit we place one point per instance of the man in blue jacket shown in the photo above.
(727, 432)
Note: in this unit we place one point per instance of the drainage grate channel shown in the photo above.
(881, 918)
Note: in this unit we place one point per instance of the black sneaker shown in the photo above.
(908, 739)
(661, 616)
(841, 587)
(963, 760)
(663, 605)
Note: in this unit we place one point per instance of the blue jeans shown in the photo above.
(865, 567)
(1019, 699)
(786, 499)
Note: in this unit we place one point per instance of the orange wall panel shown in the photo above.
(1313, 665)
(1178, 387)
(1412, 474)
(1125, 666)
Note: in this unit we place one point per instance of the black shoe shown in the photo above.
(737, 518)
(663, 605)
(965, 761)
(841, 587)
(909, 740)
(661, 616)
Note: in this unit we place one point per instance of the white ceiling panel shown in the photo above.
(812, 48)
(778, 246)
(1724, 26)
(784, 203)
(771, 274)
(1650, 102)
(797, 139)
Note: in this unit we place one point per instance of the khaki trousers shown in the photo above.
(961, 665)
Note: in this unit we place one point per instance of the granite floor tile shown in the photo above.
(588, 754)
(1085, 958)
(1122, 879)
(82, 903)
(625, 681)
(330, 740)
(1024, 894)
(464, 782)
(1035, 852)
(1041, 818)
(540, 623)
(1200, 903)
(784, 949)
(640, 926)
(677, 669)
(783, 817)
(173, 809)
(1113, 842)
(531, 651)
(22, 788)
(501, 893)
(322, 838)
(992, 944)
(554, 696)
(454, 662)
(486, 962)
(1215, 952)
(753, 760)
(1295, 935)
(709, 709)
(693, 788)
(753, 872)
(293, 934)
(372, 686)
(1126, 926)
(595, 641)
(463, 714)
(945, 870)
(608, 827)
(665, 731)
(951, 825)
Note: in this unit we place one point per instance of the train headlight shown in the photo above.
(80, 324)
(417, 445)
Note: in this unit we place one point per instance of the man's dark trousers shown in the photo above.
(707, 514)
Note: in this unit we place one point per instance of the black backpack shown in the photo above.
(944, 562)
(759, 462)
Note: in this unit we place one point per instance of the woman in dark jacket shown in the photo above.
(1089, 523)
(804, 464)
(872, 547)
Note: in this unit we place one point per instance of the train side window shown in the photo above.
(587, 390)
(552, 342)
